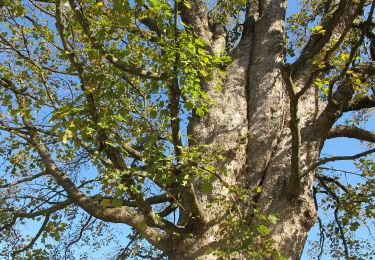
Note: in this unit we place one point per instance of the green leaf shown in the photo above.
(125, 20)
(354, 226)
(207, 188)
(200, 42)
(263, 230)
(105, 202)
(273, 219)
(116, 203)
(153, 113)
(186, 3)
(142, 225)
(66, 136)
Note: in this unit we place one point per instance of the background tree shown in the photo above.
(199, 124)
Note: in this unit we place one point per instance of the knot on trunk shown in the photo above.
(309, 218)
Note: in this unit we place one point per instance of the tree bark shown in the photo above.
(250, 122)
(267, 121)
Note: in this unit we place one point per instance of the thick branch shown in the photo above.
(122, 214)
(360, 103)
(338, 102)
(195, 16)
(317, 41)
(365, 68)
(157, 199)
(175, 93)
(151, 24)
(351, 132)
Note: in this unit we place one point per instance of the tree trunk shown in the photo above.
(250, 122)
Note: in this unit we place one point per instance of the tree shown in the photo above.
(213, 111)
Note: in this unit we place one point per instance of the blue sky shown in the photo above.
(340, 146)
(337, 147)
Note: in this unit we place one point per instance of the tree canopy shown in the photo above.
(96, 106)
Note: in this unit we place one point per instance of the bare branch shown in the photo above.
(57, 207)
(33, 177)
(334, 196)
(84, 226)
(32, 242)
(321, 228)
(336, 158)
(351, 132)
(337, 170)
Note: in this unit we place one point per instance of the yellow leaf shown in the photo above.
(105, 202)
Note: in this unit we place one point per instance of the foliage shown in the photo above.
(95, 103)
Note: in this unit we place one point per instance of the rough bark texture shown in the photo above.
(267, 121)
(250, 121)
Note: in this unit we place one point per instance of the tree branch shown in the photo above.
(351, 132)
(57, 207)
(27, 179)
(196, 18)
(84, 226)
(365, 68)
(74, 59)
(321, 178)
(122, 214)
(360, 103)
(317, 41)
(336, 158)
(341, 98)
(334, 196)
(32, 242)
(342, 234)
(109, 57)
(175, 93)
(294, 181)
(321, 228)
